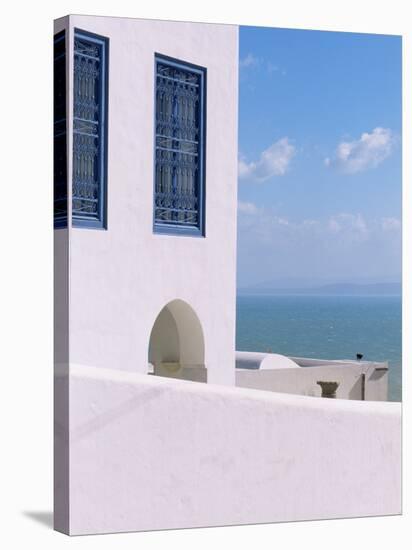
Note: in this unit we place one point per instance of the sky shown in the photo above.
(320, 160)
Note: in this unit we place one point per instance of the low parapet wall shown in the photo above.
(355, 381)
(362, 380)
(154, 453)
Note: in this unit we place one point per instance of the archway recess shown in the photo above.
(176, 346)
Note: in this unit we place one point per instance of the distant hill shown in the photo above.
(338, 289)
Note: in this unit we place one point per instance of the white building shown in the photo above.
(157, 255)
(145, 280)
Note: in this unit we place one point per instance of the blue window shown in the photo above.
(60, 136)
(89, 130)
(179, 187)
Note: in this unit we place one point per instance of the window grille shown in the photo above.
(89, 130)
(60, 136)
(179, 147)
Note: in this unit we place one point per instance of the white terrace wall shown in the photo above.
(154, 453)
(303, 380)
(122, 277)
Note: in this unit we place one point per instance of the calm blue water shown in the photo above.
(325, 327)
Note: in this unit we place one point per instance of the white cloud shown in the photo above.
(337, 229)
(348, 223)
(366, 152)
(271, 67)
(391, 224)
(249, 61)
(341, 245)
(273, 161)
(247, 208)
(310, 223)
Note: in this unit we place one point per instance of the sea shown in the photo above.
(325, 327)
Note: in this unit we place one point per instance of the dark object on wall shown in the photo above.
(328, 389)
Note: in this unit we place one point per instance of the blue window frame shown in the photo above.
(90, 92)
(60, 134)
(180, 130)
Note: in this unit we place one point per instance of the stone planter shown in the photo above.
(328, 389)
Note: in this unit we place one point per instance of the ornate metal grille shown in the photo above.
(60, 136)
(179, 182)
(89, 89)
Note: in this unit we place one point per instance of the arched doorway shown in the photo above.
(176, 346)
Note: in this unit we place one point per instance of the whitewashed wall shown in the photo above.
(120, 279)
(154, 453)
(303, 381)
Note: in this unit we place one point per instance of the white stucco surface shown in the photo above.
(356, 381)
(366, 380)
(122, 277)
(153, 453)
(259, 360)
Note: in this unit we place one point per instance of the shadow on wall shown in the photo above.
(176, 347)
(357, 390)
